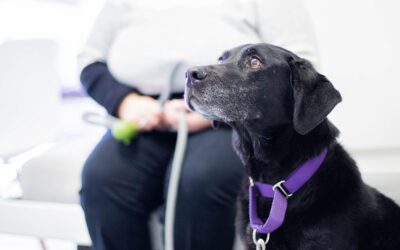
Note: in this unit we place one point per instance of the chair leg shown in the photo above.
(83, 248)
(42, 244)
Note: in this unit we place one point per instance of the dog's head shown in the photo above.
(261, 82)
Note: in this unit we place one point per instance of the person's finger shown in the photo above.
(156, 106)
(196, 122)
(171, 117)
(149, 125)
(155, 122)
(177, 105)
(152, 111)
(167, 106)
(141, 120)
(134, 118)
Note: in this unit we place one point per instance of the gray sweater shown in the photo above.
(142, 40)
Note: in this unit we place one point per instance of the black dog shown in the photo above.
(277, 105)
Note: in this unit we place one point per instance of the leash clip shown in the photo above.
(282, 189)
(260, 243)
(251, 181)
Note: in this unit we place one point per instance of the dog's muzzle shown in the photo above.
(193, 77)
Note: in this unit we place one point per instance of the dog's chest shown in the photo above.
(301, 231)
(307, 240)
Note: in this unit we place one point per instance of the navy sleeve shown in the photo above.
(103, 87)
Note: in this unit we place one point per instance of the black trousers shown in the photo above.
(122, 185)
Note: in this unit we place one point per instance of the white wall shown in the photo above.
(359, 44)
(66, 21)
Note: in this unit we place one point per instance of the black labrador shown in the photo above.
(277, 105)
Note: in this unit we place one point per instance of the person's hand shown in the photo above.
(143, 111)
(172, 109)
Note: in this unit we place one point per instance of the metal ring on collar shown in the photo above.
(251, 181)
(260, 243)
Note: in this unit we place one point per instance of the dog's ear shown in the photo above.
(314, 96)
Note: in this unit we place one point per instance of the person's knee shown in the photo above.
(97, 170)
(94, 179)
(210, 183)
(110, 184)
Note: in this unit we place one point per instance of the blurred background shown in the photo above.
(43, 141)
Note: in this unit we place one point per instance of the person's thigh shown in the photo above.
(121, 185)
(210, 182)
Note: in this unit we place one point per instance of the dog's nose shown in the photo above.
(196, 74)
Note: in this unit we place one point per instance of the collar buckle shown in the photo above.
(281, 188)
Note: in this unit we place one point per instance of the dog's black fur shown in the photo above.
(277, 105)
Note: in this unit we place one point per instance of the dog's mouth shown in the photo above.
(195, 103)
(189, 103)
(192, 101)
(188, 94)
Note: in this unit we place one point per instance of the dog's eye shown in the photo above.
(255, 63)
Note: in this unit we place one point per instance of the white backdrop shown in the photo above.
(359, 46)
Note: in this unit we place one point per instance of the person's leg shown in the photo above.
(210, 182)
(121, 185)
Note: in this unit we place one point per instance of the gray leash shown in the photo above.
(176, 168)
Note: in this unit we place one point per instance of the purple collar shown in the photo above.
(280, 192)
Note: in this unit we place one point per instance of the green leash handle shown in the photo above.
(121, 130)
(124, 131)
